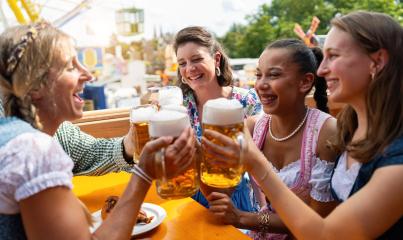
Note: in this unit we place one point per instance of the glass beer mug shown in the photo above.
(224, 116)
(172, 123)
(139, 121)
(170, 95)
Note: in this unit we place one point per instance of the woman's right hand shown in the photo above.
(178, 155)
(229, 150)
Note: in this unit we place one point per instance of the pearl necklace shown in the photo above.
(289, 135)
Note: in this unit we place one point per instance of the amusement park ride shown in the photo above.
(309, 37)
(26, 11)
(129, 21)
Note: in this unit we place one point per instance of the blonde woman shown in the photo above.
(40, 79)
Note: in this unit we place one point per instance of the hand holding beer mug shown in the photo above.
(172, 123)
(139, 120)
(226, 117)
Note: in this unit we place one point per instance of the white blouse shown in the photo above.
(29, 164)
(320, 178)
(343, 178)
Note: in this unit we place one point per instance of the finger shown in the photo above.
(186, 160)
(227, 141)
(183, 146)
(216, 158)
(219, 215)
(216, 195)
(218, 209)
(217, 149)
(157, 144)
(220, 155)
(221, 202)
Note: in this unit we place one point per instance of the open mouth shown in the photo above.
(268, 98)
(196, 77)
(331, 83)
(77, 97)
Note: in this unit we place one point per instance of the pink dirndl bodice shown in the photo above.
(301, 188)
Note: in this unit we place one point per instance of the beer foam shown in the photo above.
(222, 111)
(142, 114)
(170, 95)
(168, 123)
(174, 107)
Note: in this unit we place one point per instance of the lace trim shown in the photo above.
(320, 181)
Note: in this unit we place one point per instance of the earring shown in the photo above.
(373, 76)
(183, 80)
(217, 71)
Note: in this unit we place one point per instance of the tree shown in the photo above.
(232, 40)
(277, 20)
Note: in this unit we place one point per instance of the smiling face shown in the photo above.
(197, 66)
(346, 68)
(278, 81)
(67, 77)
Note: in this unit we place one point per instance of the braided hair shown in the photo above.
(26, 55)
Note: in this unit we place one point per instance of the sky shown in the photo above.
(94, 26)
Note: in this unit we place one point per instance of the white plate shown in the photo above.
(151, 210)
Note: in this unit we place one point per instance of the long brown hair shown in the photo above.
(31, 49)
(384, 98)
(202, 37)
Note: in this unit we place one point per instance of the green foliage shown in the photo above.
(277, 20)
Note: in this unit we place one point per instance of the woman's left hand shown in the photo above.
(223, 208)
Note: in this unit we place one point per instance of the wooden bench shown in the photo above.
(105, 123)
(115, 122)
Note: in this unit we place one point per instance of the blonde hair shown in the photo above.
(31, 66)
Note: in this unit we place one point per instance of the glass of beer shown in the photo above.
(170, 95)
(224, 116)
(139, 120)
(174, 107)
(172, 123)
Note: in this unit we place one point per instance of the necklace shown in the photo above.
(292, 133)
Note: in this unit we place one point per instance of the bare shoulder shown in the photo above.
(250, 123)
(327, 134)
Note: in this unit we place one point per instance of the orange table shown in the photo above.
(186, 219)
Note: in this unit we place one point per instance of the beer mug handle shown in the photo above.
(240, 138)
(160, 165)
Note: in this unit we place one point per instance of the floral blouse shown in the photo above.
(248, 98)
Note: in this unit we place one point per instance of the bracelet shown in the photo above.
(139, 172)
(264, 221)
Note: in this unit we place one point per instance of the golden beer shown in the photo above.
(139, 137)
(221, 174)
(224, 116)
(139, 118)
(172, 123)
(181, 186)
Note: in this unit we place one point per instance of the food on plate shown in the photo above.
(142, 217)
(110, 203)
